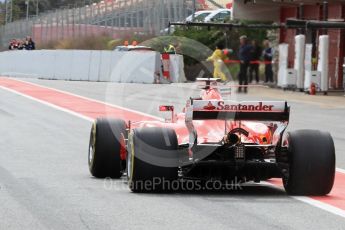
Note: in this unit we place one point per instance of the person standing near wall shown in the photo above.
(268, 57)
(29, 44)
(13, 45)
(20, 45)
(245, 58)
(254, 67)
(218, 58)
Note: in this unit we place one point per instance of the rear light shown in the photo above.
(240, 152)
(166, 108)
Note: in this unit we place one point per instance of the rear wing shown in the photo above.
(232, 110)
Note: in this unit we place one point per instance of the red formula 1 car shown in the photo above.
(213, 140)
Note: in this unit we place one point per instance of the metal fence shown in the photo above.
(112, 17)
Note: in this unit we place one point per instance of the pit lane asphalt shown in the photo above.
(45, 183)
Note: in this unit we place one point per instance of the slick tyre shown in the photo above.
(105, 147)
(311, 158)
(152, 161)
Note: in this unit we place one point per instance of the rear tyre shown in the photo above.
(311, 158)
(152, 162)
(106, 144)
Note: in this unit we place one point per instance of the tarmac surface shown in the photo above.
(45, 183)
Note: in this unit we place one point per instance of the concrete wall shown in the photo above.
(82, 65)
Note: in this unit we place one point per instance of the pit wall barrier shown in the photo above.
(88, 65)
(299, 60)
(283, 65)
(302, 75)
(323, 63)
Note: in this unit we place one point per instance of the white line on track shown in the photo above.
(49, 104)
(308, 200)
(321, 205)
(311, 201)
(341, 170)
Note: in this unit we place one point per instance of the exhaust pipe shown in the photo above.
(233, 139)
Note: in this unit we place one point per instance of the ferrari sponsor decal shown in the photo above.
(231, 106)
(239, 107)
(210, 106)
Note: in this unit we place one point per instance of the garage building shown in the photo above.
(281, 10)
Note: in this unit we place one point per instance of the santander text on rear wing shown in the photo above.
(232, 110)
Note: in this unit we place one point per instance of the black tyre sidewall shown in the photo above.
(144, 144)
(311, 163)
(106, 158)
